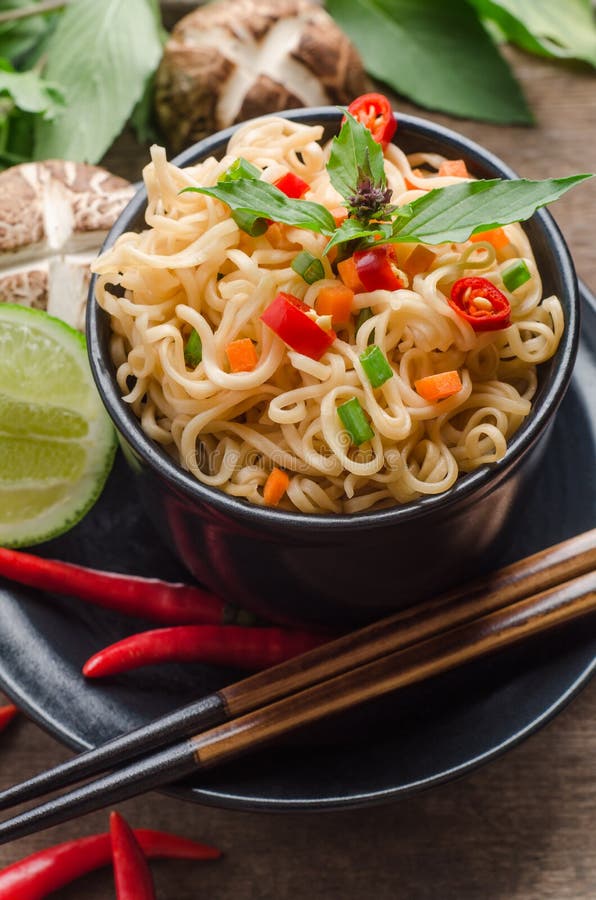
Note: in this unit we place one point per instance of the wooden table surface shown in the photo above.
(522, 827)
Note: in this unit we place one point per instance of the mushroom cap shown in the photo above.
(54, 217)
(235, 59)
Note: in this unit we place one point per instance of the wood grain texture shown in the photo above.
(521, 828)
(528, 617)
(486, 594)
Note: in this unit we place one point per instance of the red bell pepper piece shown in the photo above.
(480, 303)
(287, 317)
(219, 645)
(374, 111)
(131, 872)
(48, 870)
(292, 185)
(377, 268)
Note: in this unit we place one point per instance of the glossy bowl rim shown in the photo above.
(479, 482)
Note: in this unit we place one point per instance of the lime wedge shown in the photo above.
(57, 443)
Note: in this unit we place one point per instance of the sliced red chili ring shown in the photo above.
(287, 317)
(480, 303)
(377, 268)
(374, 111)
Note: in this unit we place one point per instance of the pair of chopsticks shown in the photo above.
(531, 596)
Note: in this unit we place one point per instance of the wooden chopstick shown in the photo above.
(466, 642)
(531, 575)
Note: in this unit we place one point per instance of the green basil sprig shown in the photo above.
(257, 200)
(356, 170)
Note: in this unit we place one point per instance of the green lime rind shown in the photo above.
(57, 443)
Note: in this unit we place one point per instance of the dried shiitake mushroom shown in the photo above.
(235, 59)
(54, 217)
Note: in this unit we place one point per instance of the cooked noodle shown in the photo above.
(194, 268)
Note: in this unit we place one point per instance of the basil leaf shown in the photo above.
(261, 200)
(546, 27)
(101, 55)
(436, 53)
(354, 229)
(24, 98)
(20, 36)
(241, 168)
(30, 92)
(355, 155)
(454, 213)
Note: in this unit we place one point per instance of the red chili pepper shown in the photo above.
(292, 185)
(480, 303)
(47, 871)
(374, 111)
(227, 645)
(377, 268)
(7, 714)
(287, 317)
(148, 598)
(131, 872)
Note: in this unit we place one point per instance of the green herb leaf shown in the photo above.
(18, 37)
(142, 117)
(260, 200)
(241, 168)
(454, 213)
(436, 53)
(31, 93)
(354, 230)
(547, 27)
(101, 54)
(355, 155)
(24, 98)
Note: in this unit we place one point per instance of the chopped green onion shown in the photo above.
(375, 365)
(193, 350)
(240, 168)
(516, 275)
(247, 221)
(355, 422)
(308, 267)
(364, 315)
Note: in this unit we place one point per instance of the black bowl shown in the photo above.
(344, 570)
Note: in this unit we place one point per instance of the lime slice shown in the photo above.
(57, 443)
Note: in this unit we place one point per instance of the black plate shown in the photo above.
(412, 741)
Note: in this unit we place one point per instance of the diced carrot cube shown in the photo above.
(456, 168)
(242, 355)
(275, 487)
(349, 275)
(419, 260)
(335, 301)
(496, 236)
(438, 387)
